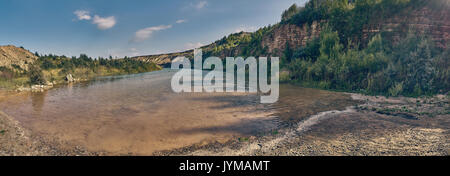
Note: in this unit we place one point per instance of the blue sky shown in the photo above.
(129, 27)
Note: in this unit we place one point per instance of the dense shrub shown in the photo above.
(420, 67)
(333, 66)
(340, 59)
(413, 67)
(36, 75)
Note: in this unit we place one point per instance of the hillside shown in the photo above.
(22, 70)
(424, 18)
(16, 58)
(228, 46)
(371, 46)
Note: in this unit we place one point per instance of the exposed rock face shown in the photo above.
(16, 58)
(434, 23)
(425, 21)
(294, 35)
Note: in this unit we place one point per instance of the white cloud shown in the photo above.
(196, 5)
(200, 4)
(181, 21)
(145, 33)
(244, 28)
(189, 46)
(104, 23)
(82, 15)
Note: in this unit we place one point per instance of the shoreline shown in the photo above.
(308, 138)
(18, 141)
(68, 79)
(370, 128)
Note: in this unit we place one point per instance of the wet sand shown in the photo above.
(363, 130)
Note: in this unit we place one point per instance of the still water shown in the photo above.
(139, 114)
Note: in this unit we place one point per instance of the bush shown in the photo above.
(413, 67)
(36, 75)
(327, 62)
(414, 63)
(396, 89)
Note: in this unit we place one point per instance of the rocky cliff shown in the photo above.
(433, 22)
(15, 58)
(291, 34)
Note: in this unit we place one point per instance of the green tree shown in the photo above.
(291, 11)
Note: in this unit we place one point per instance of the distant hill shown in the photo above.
(228, 45)
(16, 58)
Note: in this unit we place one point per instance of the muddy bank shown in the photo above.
(413, 126)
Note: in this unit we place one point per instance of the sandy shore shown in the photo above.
(18, 141)
(380, 126)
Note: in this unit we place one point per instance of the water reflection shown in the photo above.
(140, 114)
(38, 101)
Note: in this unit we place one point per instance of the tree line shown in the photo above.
(90, 66)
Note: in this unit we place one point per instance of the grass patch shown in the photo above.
(243, 139)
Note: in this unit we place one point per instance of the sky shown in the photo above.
(121, 28)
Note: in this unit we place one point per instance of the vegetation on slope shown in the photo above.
(349, 18)
(341, 59)
(247, 44)
(338, 59)
(54, 69)
(413, 67)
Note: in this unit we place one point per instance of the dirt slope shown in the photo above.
(16, 58)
